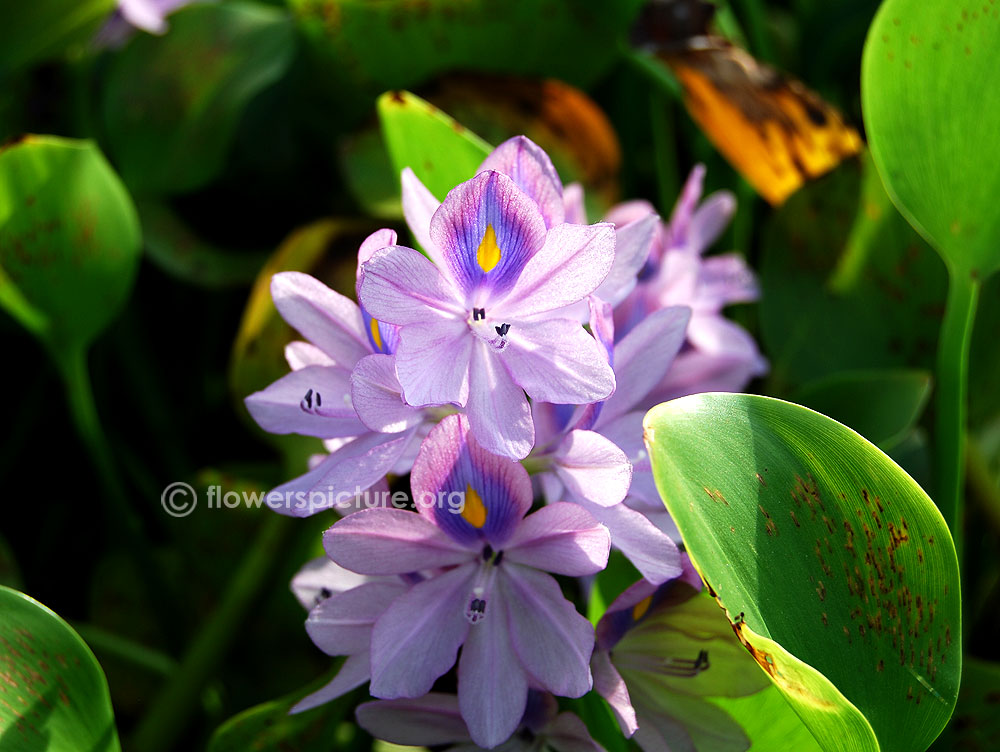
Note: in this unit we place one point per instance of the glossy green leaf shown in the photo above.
(69, 239)
(171, 104)
(418, 135)
(55, 696)
(836, 569)
(880, 405)
(928, 87)
(769, 721)
(34, 31)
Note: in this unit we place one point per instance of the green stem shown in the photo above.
(952, 371)
(170, 711)
(122, 519)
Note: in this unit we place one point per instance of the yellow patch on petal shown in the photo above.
(376, 334)
(488, 254)
(474, 511)
(640, 608)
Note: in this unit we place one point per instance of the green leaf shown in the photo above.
(881, 405)
(836, 569)
(172, 103)
(928, 84)
(34, 31)
(55, 695)
(69, 239)
(769, 721)
(268, 726)
(418, 135)
(365, 47)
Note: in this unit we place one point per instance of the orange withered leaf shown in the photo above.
(776, 132)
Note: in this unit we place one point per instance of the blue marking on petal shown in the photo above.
(487, 228)
(471, 481)
(383, 337)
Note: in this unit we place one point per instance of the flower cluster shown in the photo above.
(469, 366)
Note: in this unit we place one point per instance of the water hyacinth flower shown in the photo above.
(662, 652)
(342, 388)
(719, 355)
(343, 607)
(148, 15)
(320, 578)
(493, 599)
(481, 322)
(527, 164)
(435, 720)
(594, 455)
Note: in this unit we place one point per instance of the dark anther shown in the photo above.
(487, 552)
(685, 666)
(478, 606)
(496, 561)
(701, 662)
(478, 313)
(503, 329)
(322, 595)
(319, 400)
(307, 401)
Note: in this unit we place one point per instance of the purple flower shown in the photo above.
(435, 720)
(719, 355)
(512, 619)
(662, 651)
(320, 578)
(147, 15)
(343, 607)
(342, 388)
(595, 456)
(527, 164)
(486, 321)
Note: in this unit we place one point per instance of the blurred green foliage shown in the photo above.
(248, 135)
